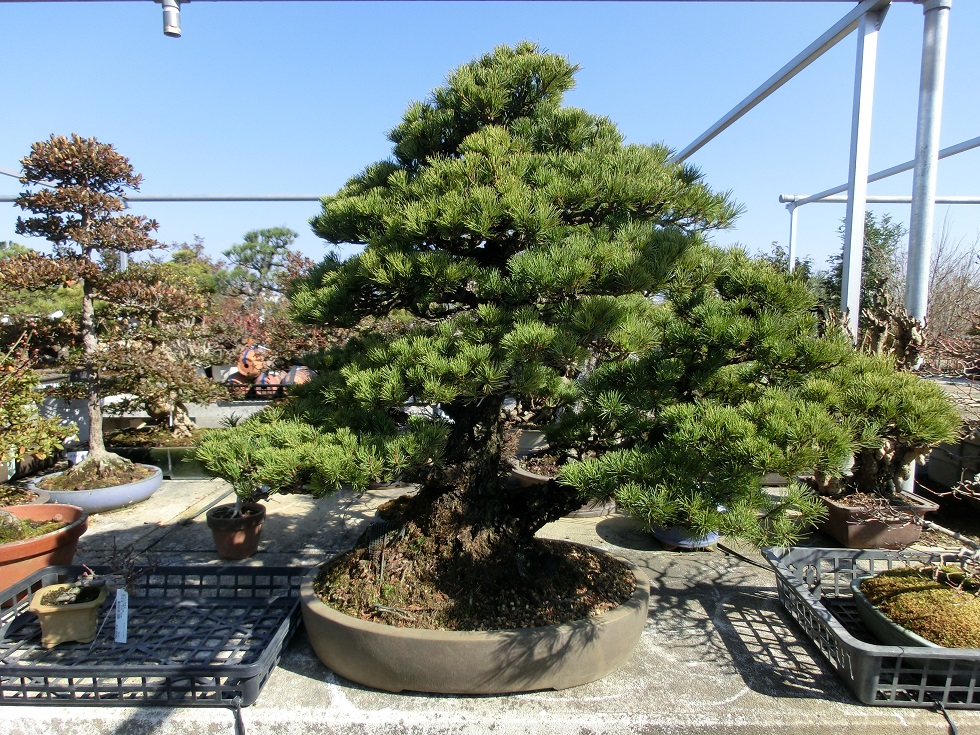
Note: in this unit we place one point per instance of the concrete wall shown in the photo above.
(205, 416)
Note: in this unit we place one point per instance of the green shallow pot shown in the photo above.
(474, 662)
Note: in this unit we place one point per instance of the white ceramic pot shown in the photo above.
(102, 499)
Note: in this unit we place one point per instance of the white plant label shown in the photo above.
(122, 616)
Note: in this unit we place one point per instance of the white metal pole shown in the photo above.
(811, 53)
(857, 178)
(791, 250)
(935, 28)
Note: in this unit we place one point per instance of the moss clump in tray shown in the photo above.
(941, 605)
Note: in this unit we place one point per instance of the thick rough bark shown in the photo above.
(481, 519)
(172, 414)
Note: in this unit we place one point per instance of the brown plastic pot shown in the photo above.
(20, 559)
(855, 527)
(236, 537)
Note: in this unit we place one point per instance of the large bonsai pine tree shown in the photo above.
(523, 241)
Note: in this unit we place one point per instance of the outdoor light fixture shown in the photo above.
(171, 18)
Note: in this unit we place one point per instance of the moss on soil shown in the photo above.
(28, 529)
(79, 596)
(14, 495)
(90, 475)
(943, 610)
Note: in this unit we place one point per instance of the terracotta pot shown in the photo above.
(20, 559)
(860, 528)
(474, 662)
(236, 537)
(102, 499)
(66, 623)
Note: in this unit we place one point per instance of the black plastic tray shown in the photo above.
(814, 585)
(198, 636)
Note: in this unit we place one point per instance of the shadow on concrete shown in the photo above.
(717, 612)
(626, 533)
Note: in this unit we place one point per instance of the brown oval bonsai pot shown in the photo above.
(19, 559)
(474, 662)
(236, 537)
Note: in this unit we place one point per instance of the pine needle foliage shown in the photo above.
(524, 242)
(738, 383)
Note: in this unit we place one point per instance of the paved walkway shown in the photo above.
(719, 654)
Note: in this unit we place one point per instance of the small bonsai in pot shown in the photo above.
(896, 418)
(69, 612)
(233, 455)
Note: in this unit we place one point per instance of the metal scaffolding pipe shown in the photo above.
(800, 199)
(791, 250)
(857, 171)
(879, 199)
(935, 29)
(810, 54)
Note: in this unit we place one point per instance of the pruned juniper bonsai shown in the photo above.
(520, 243)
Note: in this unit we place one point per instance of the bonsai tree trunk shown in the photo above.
(477, 518)
(164, 411)
(90, 342)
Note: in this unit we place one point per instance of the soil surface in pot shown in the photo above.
(88, 477)
(22, 530)
(540, 462)
(228, 511)
(401, 582)
(940, 607)
(958, 514)
(16, 495)
(85, 594)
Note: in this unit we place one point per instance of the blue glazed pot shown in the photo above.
(679, 537)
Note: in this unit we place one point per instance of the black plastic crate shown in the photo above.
(815, 587)
(198, 636)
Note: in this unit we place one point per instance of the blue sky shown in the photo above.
(296, 97)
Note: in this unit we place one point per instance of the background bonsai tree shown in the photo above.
(522, 241)
(153, 340)
(740, 382)
(76, 201)
(23, 431)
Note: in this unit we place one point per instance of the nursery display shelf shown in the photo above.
(198, 636)
(814, 586)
